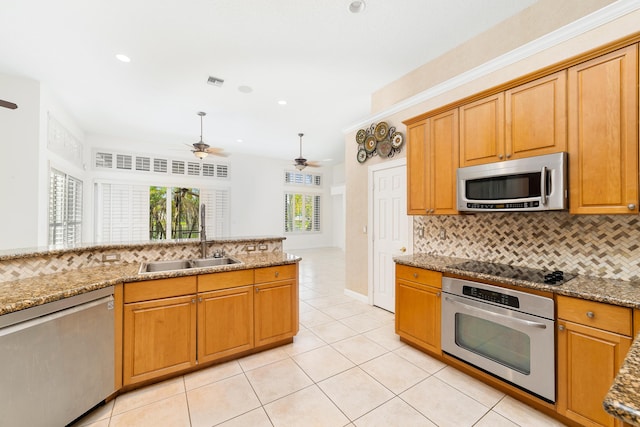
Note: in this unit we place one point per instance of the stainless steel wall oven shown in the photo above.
(507, 333)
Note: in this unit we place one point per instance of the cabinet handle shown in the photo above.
(590, 314)
(631, 206)
(277, 273)
(561, 327)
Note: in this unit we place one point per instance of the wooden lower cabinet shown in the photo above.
(418, 307)
(589, 358)
(159, 338)
(171, 325)
(225, 323)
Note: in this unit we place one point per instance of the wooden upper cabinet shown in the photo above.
(432, 161)
(417, 169)
(536, 117)
(603, 134)
(482, 131)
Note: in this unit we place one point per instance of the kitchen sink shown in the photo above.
(184, 264)
(212, 262)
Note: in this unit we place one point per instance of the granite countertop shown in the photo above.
(20, 294)
(623, 399)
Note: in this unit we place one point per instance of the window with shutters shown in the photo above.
(302, 213)
(301, 178)
(138, 213)
(65, 209)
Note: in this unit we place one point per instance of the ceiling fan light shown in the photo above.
(300, 166)
(201, 154)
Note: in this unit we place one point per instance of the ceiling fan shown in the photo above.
(301, 163)
(7, 104)
(202, 149)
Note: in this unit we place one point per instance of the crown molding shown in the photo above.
(576, 28)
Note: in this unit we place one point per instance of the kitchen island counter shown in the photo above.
(29, 292)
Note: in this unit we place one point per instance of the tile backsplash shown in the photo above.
(596, 245)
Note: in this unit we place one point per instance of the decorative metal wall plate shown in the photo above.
(378, 140)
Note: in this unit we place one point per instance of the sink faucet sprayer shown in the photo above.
(203, 234)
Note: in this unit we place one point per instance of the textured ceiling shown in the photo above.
(315, 54)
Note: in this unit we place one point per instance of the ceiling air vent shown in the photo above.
(215, 81)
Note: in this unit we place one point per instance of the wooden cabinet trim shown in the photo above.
(594, 314)
(159, 288)
(224, 280)
(419, 275)
(279, 272)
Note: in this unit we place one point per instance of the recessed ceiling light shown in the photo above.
(357, 6)
(245, 89)
(282, 102)
(239, 140)
(123, 58)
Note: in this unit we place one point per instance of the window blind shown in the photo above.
(65, 209)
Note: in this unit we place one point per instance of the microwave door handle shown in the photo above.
(543, 186)
(498, 315)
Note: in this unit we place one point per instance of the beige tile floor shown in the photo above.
(346, 367)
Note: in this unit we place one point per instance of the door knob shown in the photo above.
(403, 249)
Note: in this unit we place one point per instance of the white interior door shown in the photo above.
(391, 234)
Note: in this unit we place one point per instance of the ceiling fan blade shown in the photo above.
(7, 104)
(215, 151)
(313, 164)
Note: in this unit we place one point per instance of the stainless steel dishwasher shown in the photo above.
(56, 360)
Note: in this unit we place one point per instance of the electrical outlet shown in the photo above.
(250, 248)
(262, 247)
(443, 234)
(110, 257)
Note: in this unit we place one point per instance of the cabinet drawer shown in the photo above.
(595, 314)
(160, 288)
(272, 274)
(419, 275)
(224, 280)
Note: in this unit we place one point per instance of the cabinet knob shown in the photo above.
(631, 206)
(438, 294)
(590, 314)
(500, 156)
(508, 156)
(561, 327)
(430, 210)
(415, 275)
(193, 300)
(257, 289)
(200, 299)
(277, 273)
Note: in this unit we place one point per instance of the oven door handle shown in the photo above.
(498, 315)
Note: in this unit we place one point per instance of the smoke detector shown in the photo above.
(215, 81)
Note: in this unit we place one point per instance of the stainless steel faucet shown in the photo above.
(203, 234)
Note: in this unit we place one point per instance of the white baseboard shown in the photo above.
(358, 296)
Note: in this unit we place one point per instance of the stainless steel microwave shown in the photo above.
(532, 184)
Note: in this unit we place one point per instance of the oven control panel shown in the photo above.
(491, 296)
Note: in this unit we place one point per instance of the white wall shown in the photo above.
(19, 163)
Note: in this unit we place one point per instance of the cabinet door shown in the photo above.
(225, 323)
(159, 337)
(417, 169)
(588, 361)
(536, 117)
(275, 311)
(482, 131)
(603, 134)
(444, 160)
(418, 314)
